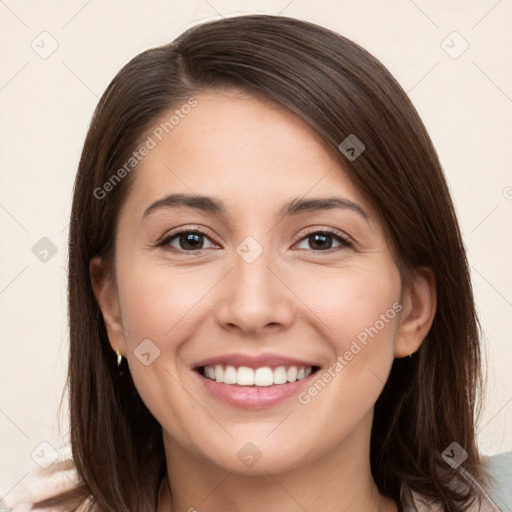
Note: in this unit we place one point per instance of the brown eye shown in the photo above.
(324, 241)
(191, 240)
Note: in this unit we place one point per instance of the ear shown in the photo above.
(419, 303)
(105, 291)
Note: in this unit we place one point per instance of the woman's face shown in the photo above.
(279, 270)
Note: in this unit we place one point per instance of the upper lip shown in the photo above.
(237, 360)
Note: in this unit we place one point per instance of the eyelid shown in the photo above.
(345, 240)
(164, 240)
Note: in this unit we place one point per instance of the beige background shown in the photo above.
(46, 105)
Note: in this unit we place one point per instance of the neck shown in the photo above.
(338, 481)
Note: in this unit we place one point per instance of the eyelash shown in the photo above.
(344, 241)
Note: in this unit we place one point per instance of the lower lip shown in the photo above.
(252, 397)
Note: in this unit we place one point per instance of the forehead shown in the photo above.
(240, 148)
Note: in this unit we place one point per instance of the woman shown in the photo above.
(269, 299)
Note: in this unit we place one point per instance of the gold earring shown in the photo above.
(119, 357)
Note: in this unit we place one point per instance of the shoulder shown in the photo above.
(497, 497)
(499, 468)
(45, 480)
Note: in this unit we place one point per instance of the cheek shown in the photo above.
(355, 303)
(158, 304)
(345, 392)
(159, 309)
(358, 312)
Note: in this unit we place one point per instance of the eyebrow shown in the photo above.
(293, 207)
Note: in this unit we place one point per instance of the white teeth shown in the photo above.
(291, 374)
(230, 375)
(244, 376)
(263, 377)
(219, 373)
(279, 376)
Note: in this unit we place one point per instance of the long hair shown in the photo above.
(339, 89)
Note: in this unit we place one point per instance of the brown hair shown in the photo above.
(336, 87)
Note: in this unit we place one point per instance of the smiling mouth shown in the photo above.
(264, 376)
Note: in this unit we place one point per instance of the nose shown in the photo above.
(255, 297)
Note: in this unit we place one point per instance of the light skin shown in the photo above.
(297, 299)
